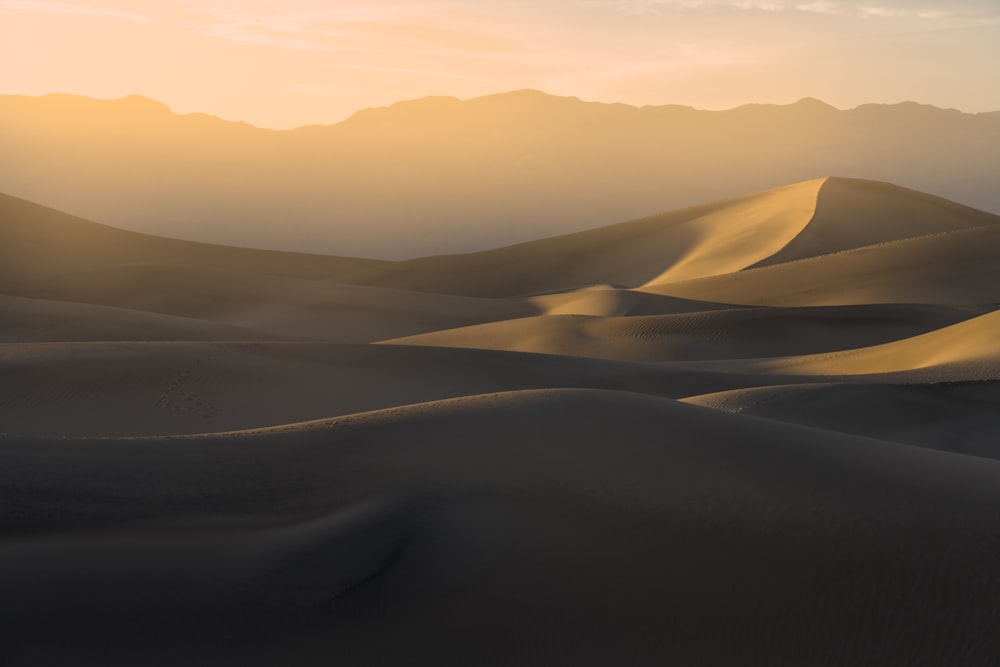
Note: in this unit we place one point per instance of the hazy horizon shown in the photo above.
(286, 65)
(499, 93)
(443, 175)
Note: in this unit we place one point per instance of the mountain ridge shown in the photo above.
(443, 175)
(522, 94)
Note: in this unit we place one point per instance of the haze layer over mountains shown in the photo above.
(756, 431)
(440, 175)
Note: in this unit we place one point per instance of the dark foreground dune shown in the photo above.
(548, 527)
(757, 432)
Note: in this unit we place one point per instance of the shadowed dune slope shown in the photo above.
(291, 307)
(973, 345)
(149, 388)
(961, 417)
(956, 267)
(50, 255)
(39, 241)
(852, 213)
(41, 320)
(587, 522)
(715, 334)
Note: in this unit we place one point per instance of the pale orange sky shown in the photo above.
(295, 62)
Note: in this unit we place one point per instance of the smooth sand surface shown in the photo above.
(608, 301)
(972, 347)
(285, 307)
(761, 431)
(712, 334)
(961, 417)
(852, 213)
(40, 241)
(42, 320)
(798, 222)
(695, 242)
(149, 388)
(956, 267)
(594, 527)
(53, 256)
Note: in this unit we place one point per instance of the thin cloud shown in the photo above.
(74, 10)
(821, 7)
(413, 71)
(889, 9)
(374, 28)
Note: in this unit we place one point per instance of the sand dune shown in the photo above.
(852, 213)
(800, 222)
(607, 301)
(842, 214)
(204, 461)
(961, 417)
(713, 334)
(968, 350)
(289, 307)
(53, 256)
(40, 320)
(136, 388)
(40, 241)
(587, 523)
(740, 236)
(956, 267)
(628, 254)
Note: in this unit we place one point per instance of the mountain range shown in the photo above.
(441, 175)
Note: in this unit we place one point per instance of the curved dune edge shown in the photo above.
(738, 401)
(41, 241)
(705, 334)
(609, 301)
(149, 388)
(815, 218)
(720, 236)
(958, 417)
(853, 213)
(43, 320)
(670, 252)
(973, 344)
(280, 306)
(745, 234)
(955, 267)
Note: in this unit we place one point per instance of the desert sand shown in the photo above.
(758, 431)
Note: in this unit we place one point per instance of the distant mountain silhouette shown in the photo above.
(441, 175)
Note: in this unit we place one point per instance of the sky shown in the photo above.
(286, 63)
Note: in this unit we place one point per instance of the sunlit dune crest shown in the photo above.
(677, 253)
